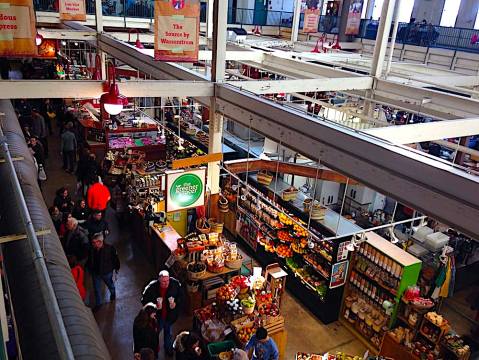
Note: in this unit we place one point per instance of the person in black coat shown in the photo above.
(145, 330)
(81, 212)
(166, 293)
(63, 200)
(96, 224)
(102, 261)
(75, 240)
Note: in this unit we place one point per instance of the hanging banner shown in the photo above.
(72, 10)
(17, 28)
(48, 49)
(311, 21)
(185, 189)
(354, 17)
(177, 26)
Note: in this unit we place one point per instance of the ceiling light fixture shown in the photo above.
(38, 39)
(112, 101)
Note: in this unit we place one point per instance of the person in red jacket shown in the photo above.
(78, 275)
(98, 196)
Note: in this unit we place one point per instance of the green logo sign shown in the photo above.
(186, 190)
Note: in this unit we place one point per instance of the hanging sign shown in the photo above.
(311, 20)
(48, 49)
(354, 17)
(72, 10)
(185, 189)
(339, 271)
(195, 161)
(177, 26)
(17, 28)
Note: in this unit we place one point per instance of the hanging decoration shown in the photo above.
(177, 25)
(72, 10)
(17, 28)
(354, 17)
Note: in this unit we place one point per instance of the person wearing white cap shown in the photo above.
(166, 293)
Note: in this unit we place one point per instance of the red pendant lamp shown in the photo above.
(138, 43)
(336, 46)
(112, 101)
(38, 39)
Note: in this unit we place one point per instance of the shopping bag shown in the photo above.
(42, 175)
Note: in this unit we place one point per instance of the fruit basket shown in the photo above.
(234, 264)
(196, 270)
(202, 226)
(264, 178)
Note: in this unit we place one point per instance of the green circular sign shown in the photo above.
(186, 190)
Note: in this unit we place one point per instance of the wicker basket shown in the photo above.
(264, 178)
(193, 276)
(289, 194)
(223, 204)
(215, 226)
(234, 264)
(204, 230)
(215, 269)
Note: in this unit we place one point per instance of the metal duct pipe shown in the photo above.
(37, 334)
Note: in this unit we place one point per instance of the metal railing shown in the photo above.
(427, 35)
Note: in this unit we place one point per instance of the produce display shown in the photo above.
(284, 251)
(245, 334)
(226, 293)
(455, 344)
(337, 356)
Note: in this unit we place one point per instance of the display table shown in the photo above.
(164, 242)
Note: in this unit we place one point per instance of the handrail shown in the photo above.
(51, 303)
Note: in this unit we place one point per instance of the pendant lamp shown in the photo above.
(138, 43)
(112, 101)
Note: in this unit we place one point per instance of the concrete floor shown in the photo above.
(305, 332)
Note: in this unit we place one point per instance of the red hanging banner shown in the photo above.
(72, 10)
(177, 26)
(17, 28)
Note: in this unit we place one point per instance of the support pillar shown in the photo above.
(98, 16)
(369, 9)
(296, 18)
(217, 75)
(393, 37)
(209, 19)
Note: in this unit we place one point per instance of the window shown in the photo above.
(476, 24)
(405, 10)
(449, 12)
(378, 5)
(365, 6)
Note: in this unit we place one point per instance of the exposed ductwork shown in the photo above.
(35, 332)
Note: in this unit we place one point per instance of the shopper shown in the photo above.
(39, 129)
(264, 348)
(78, 275)
(48, 114)
(68, 148)
(98, 196)
(56, 216)
(145, 330)
(145, 354)
(188, 346)
(92, 170)
(75, 240)
(63, 200)
(38, 151)
(81, 212)
(102, 262)
(81, 172)
(96, 225)
(166, 293)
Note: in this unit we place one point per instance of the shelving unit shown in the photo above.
(380, 272)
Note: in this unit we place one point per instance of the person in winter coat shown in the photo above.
(92, 169)
(75, 241)
(166, 293)
(188, 346)
(63, 200)
(81, 171)
(68, 148)
(102, 261)
(96, 225)
(98, 196)
(145, 330)
(56, 216)
(81, 212)
(38, 151)
(39, 129)
(78, 275)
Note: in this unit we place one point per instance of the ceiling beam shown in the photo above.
(408, 134)
(428, 184)
(306, 85)
(230, 55)
(66, 34)
(84, 89)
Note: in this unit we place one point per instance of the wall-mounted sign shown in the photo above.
(354, 17)
(185, 189)
(311, 20)
(339, 271)
(72, 10)
(48, 49)
(17, 28)
(177, 26)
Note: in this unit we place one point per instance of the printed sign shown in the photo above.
(17, 28)
(343, 251)
(185, 190)
(354, 17)
(72, 10)
(339, 271)
(311, 20)
(177, 26)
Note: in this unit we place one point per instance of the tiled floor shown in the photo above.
(305, 332)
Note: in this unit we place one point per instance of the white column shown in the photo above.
(382, 38)
(393, 37)
(209, 19)
(369, 9)
(217, 75)
(296, 18)
(98, 16)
